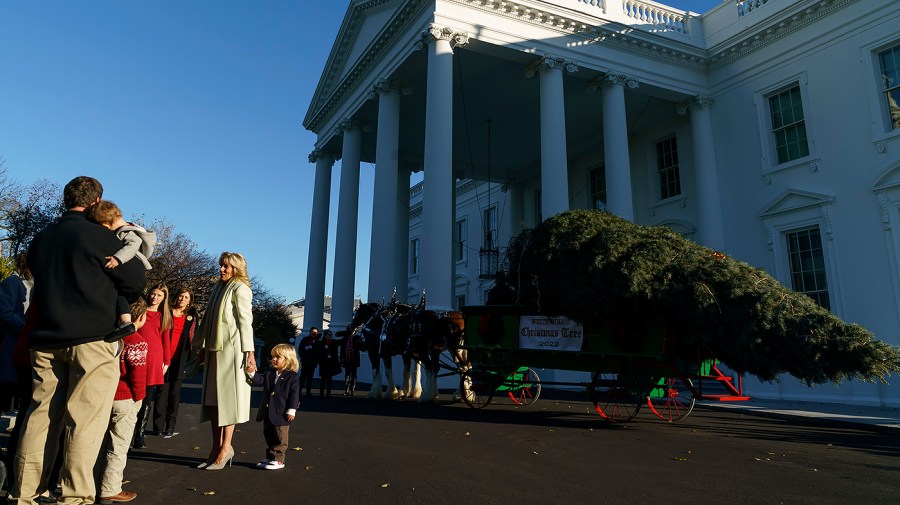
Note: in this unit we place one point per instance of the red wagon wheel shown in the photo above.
(616, 396)
(527, 388)
(672, 399)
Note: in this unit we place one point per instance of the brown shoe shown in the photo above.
(122, 497)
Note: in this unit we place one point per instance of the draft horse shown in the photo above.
(430, 334)
(416, 335)
(382, 329)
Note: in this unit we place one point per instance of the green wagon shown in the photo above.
(632, 364)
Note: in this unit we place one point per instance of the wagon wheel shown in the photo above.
(616, 396)
(477, 386)
(526, 389)
(672, 399)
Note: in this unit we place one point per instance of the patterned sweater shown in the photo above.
(133, 368)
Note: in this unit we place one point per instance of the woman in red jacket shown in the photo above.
(159, 323)
(184, 320)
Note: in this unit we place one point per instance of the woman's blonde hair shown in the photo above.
(238, 263)
(287, 352)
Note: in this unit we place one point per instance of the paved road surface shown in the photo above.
(557, 451)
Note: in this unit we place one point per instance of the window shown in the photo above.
(890, 79)
(490, 225)
(788, 125)
(598, 187)
(667, 168)
(414, 256)
(461, 231)
(460, 301)
(807, 263)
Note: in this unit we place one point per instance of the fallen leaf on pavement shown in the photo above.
(386, 484)
(209, 493)
(298, 448)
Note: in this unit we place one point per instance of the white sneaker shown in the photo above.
(263, 463)
(274, 465)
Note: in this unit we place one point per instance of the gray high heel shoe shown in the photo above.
(228, 457)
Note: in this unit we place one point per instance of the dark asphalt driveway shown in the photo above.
(353, 450)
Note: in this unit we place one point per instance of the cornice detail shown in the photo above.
(388, 85)
(436, 32)
(548, 62)
(765, 35)
(390, 33)
(610, 33)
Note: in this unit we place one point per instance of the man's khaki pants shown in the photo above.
(72, 396)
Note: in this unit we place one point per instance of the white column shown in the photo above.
(619, 199)
(437, 204)
(345, 241)
(554, 157)
(401, 268)
(515, 212)
(384, 208)
(710, 229)
(314, 301)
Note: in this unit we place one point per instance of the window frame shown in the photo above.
(485, 214)
(796, 210)
(597, 177)
(883, 91)
(460, 242)
(801, 271)
(415, 249)
(881, 133)
(769, 159)
(657, 172)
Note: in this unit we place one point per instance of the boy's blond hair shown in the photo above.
(287, 352)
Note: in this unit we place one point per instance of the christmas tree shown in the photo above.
(594, 266)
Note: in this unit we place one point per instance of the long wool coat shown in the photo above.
(233, 324)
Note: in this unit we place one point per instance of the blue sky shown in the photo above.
(185, 110)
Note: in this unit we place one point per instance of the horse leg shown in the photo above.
(406, 392)
(460, 358)
(375, 391)
(391, 393)
(416, 378)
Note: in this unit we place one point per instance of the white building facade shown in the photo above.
(767, 130)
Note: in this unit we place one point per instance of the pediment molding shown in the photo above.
(888, 179)
(337, 80)
(792, 200)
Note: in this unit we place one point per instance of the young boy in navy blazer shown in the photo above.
(279, 403)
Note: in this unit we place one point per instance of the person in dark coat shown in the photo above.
(309, 358)
(329, 363)
(348, 352)
(75, 301)
(278, 404)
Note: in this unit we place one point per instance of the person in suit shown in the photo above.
(278, 404)
(225, 337)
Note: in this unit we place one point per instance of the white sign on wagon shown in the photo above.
(550, 333)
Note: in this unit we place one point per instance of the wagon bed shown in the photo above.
(632, 363)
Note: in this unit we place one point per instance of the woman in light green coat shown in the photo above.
(226, 339)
